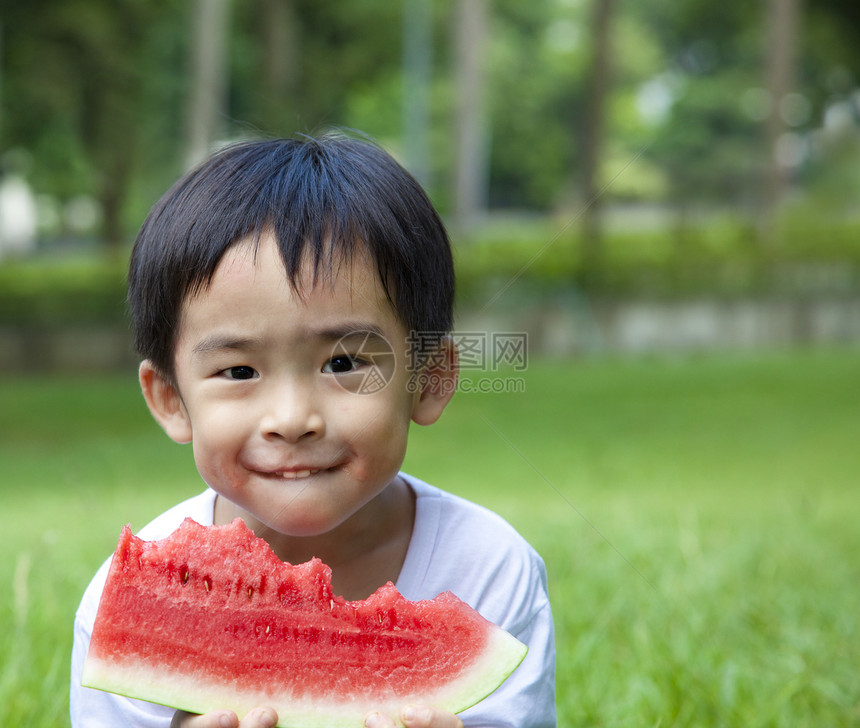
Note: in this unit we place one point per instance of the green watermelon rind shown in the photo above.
(502, 655)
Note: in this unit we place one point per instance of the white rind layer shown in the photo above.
(135, 679)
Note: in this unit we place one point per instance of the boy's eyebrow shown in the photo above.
(352, 328)
(218, 342)
(229, 342)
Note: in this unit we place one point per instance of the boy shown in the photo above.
(275, 291)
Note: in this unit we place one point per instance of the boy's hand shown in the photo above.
(257, 718)
(416, 716)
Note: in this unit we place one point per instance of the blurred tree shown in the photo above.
(726, 114)
(703, 137)
(593, 136)
(336, 52)
(83, 78)
(470, 139)
(206, 111)
(417, 73)
(280, 61)
(97, 90)
(781, 21)
(535, 88)
(836, 44)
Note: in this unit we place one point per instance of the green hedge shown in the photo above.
(525, 260)
(719, 259)
(49, 293)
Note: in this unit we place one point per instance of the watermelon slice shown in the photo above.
(210, 618)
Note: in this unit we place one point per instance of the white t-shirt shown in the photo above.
(456, 546)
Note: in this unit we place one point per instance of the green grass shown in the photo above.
(698, 518)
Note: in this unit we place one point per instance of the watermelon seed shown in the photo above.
(207, 582)
(185, 575)
(250, 591)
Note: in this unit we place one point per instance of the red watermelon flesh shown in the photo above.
(210, 618)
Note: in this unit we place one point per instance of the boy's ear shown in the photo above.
(437, 383)
(164, 402)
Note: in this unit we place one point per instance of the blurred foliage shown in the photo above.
(95, 92)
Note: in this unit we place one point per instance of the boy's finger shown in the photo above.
(218, 719)
(422, 716)
(260, 718)
(378, 720)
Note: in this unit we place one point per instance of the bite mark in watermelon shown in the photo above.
(210, 618)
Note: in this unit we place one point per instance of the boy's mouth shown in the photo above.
(297, 474)
(299, 471)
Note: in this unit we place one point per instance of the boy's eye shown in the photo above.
(240, 372)
(340, 364)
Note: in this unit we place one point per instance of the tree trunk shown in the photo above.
(592, 140)
(112, 195)
(417, 63)
(280, 65)
(206, 98)
(781, 21)
(470, 166)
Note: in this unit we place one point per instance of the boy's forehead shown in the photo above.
(240, 262)
(251, 263)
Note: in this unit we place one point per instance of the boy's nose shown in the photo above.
(290, 414)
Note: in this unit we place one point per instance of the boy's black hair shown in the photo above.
(324, 198)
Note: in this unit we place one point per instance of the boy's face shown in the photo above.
(268, 388)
